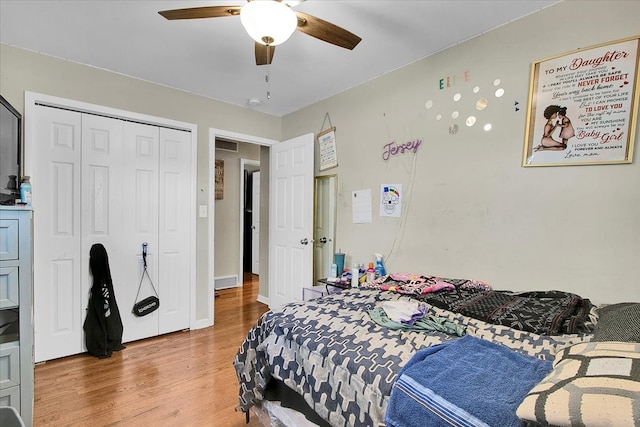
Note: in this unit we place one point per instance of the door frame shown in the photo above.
(243, 165)
(31, 99)
(234, 136)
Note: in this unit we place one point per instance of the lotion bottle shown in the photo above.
(371, 273)
(334, 270)
(355, 275)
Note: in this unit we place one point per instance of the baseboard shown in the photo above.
(263, 299)
(200, 324)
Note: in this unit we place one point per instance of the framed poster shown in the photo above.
(327, 143)
(219, 180)
(583, 106)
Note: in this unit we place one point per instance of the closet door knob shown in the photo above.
(304, 241)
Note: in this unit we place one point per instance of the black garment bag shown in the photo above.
(149, 304)
(103, 324)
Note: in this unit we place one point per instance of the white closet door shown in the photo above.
(175, 239)
(55, 176)
(102, 220)
(104, 180)
(140, 225)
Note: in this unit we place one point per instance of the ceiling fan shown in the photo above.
(270, 23)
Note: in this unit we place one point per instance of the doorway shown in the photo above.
(283, 164)
(249, 238)
(236, 249)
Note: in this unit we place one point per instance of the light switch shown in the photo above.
(203, 211)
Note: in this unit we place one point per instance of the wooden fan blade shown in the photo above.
(201, 12)
(326, 31)
(264, 54)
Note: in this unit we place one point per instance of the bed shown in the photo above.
(473, 353)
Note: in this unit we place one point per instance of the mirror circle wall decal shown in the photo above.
(481, 104)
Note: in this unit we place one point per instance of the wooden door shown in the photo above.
(290, 219)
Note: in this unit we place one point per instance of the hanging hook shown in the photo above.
(144, 254)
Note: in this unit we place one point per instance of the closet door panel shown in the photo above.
(175, 238)
(102, 188)
(140, 225)
(56, 171)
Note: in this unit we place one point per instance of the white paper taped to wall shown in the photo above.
(361, 206)
(391, 200)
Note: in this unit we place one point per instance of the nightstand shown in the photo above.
(334, 287)
(325, 288)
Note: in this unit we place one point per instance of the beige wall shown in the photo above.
(470, 210)
(22, 71)
(227, 229)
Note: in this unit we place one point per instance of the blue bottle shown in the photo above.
(334, 271)
(25, 191)
(380, 270)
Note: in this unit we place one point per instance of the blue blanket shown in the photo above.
(466, 382)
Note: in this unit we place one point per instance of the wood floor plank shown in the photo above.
(180, 379)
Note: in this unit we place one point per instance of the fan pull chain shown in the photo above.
(266, 79)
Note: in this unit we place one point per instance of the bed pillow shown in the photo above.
(594, 383)
(618, 322)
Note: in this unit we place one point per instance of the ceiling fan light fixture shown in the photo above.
(268, 22)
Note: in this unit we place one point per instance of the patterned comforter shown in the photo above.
(343, 364)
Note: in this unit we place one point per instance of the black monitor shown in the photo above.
(10, 160)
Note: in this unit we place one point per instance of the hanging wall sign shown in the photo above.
(328, 154)
(583, 106)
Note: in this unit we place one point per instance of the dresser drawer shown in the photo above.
(9, 287)
(9, 365)
(9, 235)
(10, 397)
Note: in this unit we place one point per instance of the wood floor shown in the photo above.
(180, 379)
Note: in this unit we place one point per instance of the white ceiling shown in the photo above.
(215, 57)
